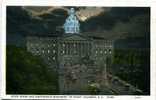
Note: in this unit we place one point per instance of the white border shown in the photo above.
(0, 52)
(104, 3)
(153, 49)
(80, 2)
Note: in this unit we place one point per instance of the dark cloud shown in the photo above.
(112, 23)
(16, 18)
(107, 20)
(120, 22)
(20, 21)
(37, 8)
(125, 13)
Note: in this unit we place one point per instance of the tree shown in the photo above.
(27, 74)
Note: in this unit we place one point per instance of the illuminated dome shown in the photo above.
(72, 24)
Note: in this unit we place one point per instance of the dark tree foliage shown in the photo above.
(133, 66)
(27, 74)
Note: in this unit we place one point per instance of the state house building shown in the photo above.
(70, 47)
(66, 50)
(72, 44)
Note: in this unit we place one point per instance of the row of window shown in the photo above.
(106, 51)
(39, 45)
(71, 51)
(38, 52)
(53, 58)
(105, 46)
(79, 52)
(76, 46)
(70, 44)
(84, 45)
(74, 52)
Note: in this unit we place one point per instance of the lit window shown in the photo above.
(54, 58)
(96, 52)
(48, 51)
(42, 51)
(54, 51)
(105, 51)
(54, 45)
(63, 45)
(63, 51)
(74, 45)
(101, 51)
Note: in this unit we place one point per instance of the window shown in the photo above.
(105, 51)
(54, 51)
(96, 51)
(110, 51)
(37, 51)
(54, 45)
(74, 45)
(54, 58)
(42, 51)
(48, 51)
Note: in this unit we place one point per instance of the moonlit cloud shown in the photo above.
(38, 11)
(82, 14)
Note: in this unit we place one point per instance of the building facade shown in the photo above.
(54, 49)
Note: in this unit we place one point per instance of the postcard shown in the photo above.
(77, 52)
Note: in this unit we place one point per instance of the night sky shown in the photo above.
(110, 22)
